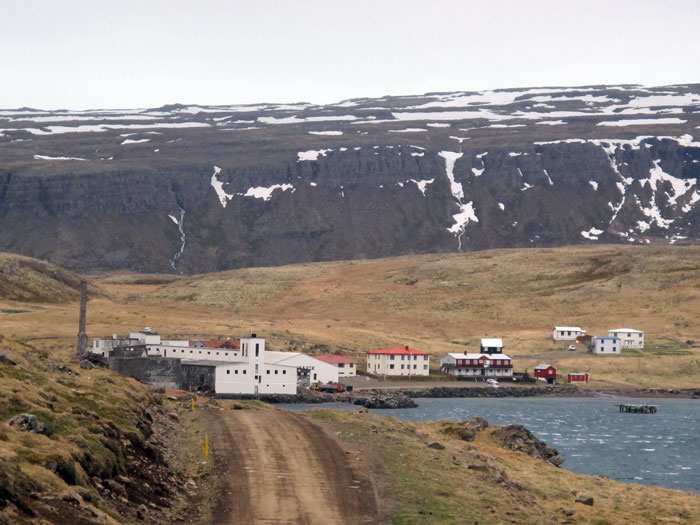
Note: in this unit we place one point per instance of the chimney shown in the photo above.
(406, 347)
(81, 346)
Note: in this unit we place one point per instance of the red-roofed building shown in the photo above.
(346, 366)
(398, 362)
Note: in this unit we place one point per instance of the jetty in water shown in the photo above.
(638, 409)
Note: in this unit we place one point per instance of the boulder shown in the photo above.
(435, 445)
(390, 400)
(5, 359)
(517, 437)
(29, 423)
(585, 499)
(86, 365)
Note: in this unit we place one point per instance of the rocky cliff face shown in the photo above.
(195, 189)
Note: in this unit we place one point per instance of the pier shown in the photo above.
(638, 409)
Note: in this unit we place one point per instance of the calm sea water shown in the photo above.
(660, 449)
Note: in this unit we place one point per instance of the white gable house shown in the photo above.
(492, 346)
(630, 338)
(567, 333)
(606, 345)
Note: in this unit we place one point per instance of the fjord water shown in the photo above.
(660, 449)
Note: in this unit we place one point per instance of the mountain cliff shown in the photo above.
(192, 189)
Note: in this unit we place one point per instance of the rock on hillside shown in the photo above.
(32, 280)
(189, 189)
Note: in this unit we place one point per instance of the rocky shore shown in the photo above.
(403, 398)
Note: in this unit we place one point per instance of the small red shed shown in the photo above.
(546, 372)
(578, 377)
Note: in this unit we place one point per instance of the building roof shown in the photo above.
(577, 373)
(275, 357)
(568, 328)
(208, 362)
(606, 337)
(543, 366)
(492, 342)
(479, 356)
(333, 359)
(626, 330)
(398, 351)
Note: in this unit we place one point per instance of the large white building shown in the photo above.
(630, 338)
(477, 365)
(567, 333)
(605, 345)
(398, 362)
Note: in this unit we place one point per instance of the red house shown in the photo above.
(546, 372)
(578, 377)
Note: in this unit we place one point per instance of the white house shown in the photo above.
(477, 365)
(398, 362)
(346, 366)
(316, 371)
(630, 338)
(606, 345)
(567, 333)
(491, 346)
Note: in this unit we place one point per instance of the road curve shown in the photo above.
(277, 467)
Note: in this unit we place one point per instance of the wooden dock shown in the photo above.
(638, 409)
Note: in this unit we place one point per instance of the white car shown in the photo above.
(572, 347)
(492, 383)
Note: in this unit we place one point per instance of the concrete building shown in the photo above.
(605, 345)
(477, 365)
(491, 346)
(398, 362)
(567, 333)
(629, 337)
(346, 366)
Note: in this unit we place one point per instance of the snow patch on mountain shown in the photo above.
(312, 154)
(642, 122)
(219, 188)
(592, 234)
(265, 193)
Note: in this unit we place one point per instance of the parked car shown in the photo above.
(572, 347)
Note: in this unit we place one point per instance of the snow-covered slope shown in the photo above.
(196, 188)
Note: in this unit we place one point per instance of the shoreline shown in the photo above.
(312, 397)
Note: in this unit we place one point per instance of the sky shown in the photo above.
(81, 54)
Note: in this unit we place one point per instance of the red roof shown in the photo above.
(399, 351)
(333, 359)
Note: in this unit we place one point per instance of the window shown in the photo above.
(425, 367)
(284, 372)
(226, 354)
(415, 366)
(276, 371)
(257, 349)
(401, 367)
(208, 353)
(268, 372)
(341, 365)
(236, 372)
(425, 358)
(391, 366)
(228, 371)
(245, 371)
(391, 357)
(190, 351)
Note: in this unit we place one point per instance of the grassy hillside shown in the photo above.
(96, 457)
(482, 482)
(443, 303)
(32, 280)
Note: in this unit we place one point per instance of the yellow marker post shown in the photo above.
(192, 400)
(206, 445)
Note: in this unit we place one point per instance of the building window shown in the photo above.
(425, 358)
(228, 371)
(257, 349)
(268, 372)
(276, 372)
(236, 372)
(391, 366)
(245, 371)
(341, 365)
(401, 367)
(391, 357)
(284, 372)
(425, 367)
(415, 366)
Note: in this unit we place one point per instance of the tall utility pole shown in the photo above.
(82, 335)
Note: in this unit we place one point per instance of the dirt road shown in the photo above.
(274, 467)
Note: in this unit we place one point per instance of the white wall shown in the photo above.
(321, 372)
(566, 335)
(629, 339)
(383, 364)
(199, 354)
(603, 346)
(346, 369)
(242, 379)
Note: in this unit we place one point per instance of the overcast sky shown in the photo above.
(104, 54)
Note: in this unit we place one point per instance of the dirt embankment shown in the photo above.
(279, 467)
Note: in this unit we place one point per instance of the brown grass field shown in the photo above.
(438, 303)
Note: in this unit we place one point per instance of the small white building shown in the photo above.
(346, 366)
(492, 346)
(605, 345)
(567, 333)
(477, 365)
(630, 338)
(398, 362)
